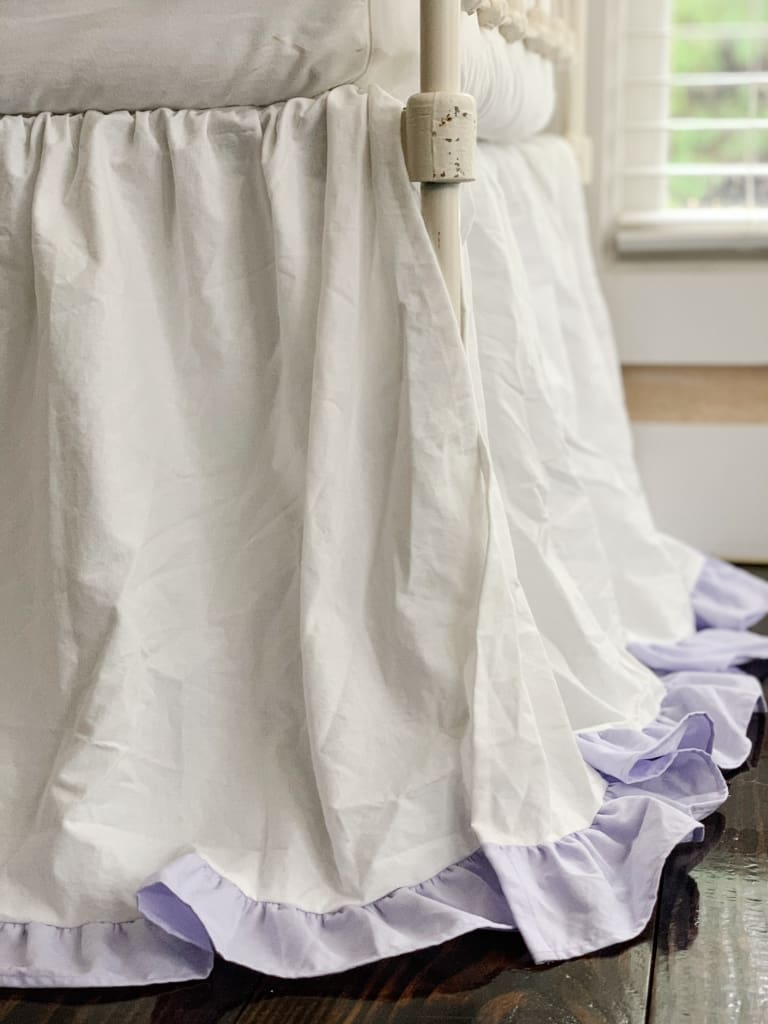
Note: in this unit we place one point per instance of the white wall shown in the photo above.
(709, 485)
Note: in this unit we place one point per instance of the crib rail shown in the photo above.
(576, 15)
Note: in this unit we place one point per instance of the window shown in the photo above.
(695, 122)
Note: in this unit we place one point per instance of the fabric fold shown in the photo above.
(709, 650)
(726, 597)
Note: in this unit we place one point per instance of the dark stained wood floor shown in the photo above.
(703, 959)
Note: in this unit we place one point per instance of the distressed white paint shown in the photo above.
(440, 133)
(437, 130)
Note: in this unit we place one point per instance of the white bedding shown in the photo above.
(67, 56)
(259, 598)
(549, 365)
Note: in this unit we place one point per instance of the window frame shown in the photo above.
(644, 223)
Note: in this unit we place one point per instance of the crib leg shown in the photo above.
(439, 134)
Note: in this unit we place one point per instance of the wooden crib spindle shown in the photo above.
(439, 132)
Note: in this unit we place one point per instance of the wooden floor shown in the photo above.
(703, 959)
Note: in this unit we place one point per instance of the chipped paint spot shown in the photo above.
(431, 154)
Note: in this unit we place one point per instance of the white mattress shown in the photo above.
(73, 55)
(67, 56)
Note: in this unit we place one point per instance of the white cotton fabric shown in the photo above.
(652, 575)
(258, 596)
(555, 526)
(594, 365)
(194, 54)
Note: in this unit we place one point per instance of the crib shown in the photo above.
(333, 619)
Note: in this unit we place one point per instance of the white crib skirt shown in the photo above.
(272, 682)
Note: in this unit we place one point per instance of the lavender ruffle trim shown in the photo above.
(728, 598)
(586, 891)
(726, 602)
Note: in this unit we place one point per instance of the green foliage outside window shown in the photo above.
(739, 50)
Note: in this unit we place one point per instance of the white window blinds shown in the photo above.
(695, 112)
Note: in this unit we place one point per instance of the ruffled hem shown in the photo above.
(594, 888)
(725, 597)
(708, 651)
(591, 889)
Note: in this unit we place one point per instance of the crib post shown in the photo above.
(439, 130)
(576, 118)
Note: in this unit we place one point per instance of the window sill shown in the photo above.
(718, 233)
